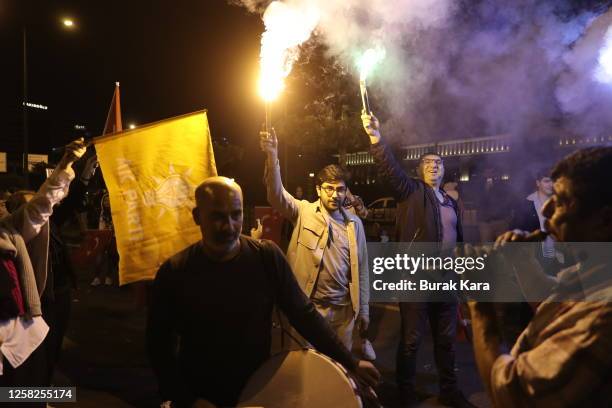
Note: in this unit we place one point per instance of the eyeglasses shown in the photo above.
(432, 161)
(329, 190)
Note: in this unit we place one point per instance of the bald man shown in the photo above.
(217, 296)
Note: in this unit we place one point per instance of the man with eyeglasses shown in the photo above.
(425, 213)
(327, 251)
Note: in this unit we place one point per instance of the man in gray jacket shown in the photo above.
(327, 251)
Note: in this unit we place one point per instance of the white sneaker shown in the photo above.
(108, 281)
(367, 350)
(96, 282)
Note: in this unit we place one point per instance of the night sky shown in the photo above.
(171, 58)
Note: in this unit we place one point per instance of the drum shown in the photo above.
(305, 379)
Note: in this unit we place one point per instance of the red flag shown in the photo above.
(113, 119)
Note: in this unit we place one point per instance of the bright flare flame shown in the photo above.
(368, 61)
(603, 73)
(287, 27)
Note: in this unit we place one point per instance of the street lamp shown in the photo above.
(68, 23)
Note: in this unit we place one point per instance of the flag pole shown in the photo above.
(114, 125)
(118, 120)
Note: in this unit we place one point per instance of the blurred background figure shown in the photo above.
(528, 217)
(108, 258)
(4, 195)
(494, 210)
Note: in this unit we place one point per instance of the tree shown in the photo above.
(322, 105)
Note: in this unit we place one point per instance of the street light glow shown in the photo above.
(132, 126)
(68, 22)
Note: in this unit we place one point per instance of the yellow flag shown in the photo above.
(151, 174)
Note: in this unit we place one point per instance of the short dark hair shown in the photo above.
(429, 153)
(541, 173)
(589, 170)
(331, 173)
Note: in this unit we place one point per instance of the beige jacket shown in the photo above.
(309, 237)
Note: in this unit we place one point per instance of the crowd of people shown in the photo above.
(36, 267)
(212, 305)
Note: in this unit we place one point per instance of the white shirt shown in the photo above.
(19, 338)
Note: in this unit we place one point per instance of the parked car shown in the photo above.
(381, 216)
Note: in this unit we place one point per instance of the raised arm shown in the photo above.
(390, 169)
(278, 197)
(74, 202)
(34, 214)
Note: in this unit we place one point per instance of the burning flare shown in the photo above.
(368, 61)
(366, 64)
(288, 25)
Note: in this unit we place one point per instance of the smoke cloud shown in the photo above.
(470, 69)
(583, 96)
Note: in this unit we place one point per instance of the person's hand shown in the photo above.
(73, 152)
(371, 126)
(367, 373)
(511, 236)
(363, 322)
(472, 251)
(257, 233)
(202, 403)
(348, 199)
(349, 195)
(269, 143)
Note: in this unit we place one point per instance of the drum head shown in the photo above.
(300, 379)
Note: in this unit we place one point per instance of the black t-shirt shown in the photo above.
(221, 312)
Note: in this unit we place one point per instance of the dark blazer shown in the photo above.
(418, 212)
(526, 217)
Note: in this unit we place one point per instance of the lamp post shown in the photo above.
(24, 104)
(68, 24)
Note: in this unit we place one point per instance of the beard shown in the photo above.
(226, 239)
(331, 205)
